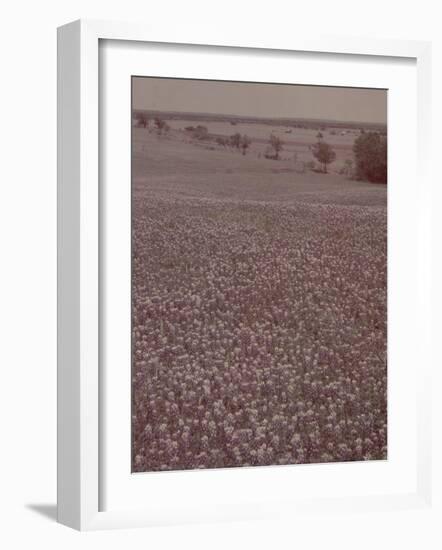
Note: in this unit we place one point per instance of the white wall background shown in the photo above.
(28, 267)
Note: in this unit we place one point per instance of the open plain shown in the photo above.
(259, 295)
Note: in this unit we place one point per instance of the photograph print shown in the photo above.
(259, 274)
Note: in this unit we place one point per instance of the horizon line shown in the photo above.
(233, 115)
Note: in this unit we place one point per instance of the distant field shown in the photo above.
(297, 141)
(176, 163)
(259, 303)
(262, 131)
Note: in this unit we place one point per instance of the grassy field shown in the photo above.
(259, 304)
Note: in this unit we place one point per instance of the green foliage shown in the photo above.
(370, 150)
(324, 154)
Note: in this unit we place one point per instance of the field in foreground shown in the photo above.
(259, 311)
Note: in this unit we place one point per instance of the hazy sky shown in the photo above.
(261, 100)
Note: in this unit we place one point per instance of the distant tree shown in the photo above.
(276, 144)
(142, 119)
(370, 151)
(324, 154)
(235, 140)
(159, 125)
(319, 136)
(245, 143)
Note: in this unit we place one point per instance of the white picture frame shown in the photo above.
(79, 368)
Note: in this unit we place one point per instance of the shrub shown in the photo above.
(200, 132)
(277, 145)
(235, 140)
(160, 125)
(370, 150)
(142, 119)
(245, 143)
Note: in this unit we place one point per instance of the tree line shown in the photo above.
(160, 125)
(369, 149)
